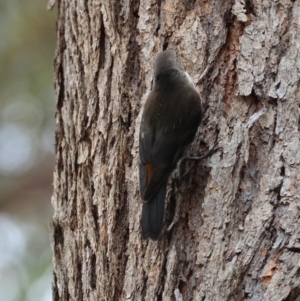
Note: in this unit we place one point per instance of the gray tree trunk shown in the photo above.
(233, 220)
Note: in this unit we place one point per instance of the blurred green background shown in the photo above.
(27, 100)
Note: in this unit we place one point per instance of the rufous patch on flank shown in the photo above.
(149, 172)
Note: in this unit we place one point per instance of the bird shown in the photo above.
(170, 120)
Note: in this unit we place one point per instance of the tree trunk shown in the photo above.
(232, 222)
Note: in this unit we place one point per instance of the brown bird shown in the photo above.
(171, 117)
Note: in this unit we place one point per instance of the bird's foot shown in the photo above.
(206, 155)
(200, 158)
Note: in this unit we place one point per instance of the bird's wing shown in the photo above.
(162, 144)
(162, 156)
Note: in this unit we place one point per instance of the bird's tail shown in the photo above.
(153, 214)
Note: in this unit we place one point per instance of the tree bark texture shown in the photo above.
(232, 228)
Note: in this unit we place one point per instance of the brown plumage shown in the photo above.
(170, 121)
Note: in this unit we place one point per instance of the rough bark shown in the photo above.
(233, 220)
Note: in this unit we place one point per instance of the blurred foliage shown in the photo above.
(27, 102)
(27, 42)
